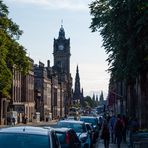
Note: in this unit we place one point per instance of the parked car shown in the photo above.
(94, 122)
(68, 138)
(28, 137)
(80, 128)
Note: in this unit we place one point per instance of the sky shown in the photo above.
(41, 20)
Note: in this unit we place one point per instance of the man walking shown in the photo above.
(119, 130)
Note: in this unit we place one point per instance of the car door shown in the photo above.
(55, 141)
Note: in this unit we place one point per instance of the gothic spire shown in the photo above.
(77, 81)
(78, 95)
(77, 74)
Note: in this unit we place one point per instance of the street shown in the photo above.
(99, 143)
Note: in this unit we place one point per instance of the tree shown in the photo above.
(12, 54)
(88, 101)
(123, 26)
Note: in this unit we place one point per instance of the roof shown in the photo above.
(71, 121)
(25, 130)
(88, 117)
(63, 129)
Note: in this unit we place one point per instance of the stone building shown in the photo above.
(22, 96)
(61, 53)
(42, 91)
(27, 94)
(53, 85)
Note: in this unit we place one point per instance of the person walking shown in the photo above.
(125, 122)
(112, 122)
(105, 135)
(119, 130)
(13, 121)
(8, 121)
(133, 128)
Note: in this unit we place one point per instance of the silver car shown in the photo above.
(28, 137)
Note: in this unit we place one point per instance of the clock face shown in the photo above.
(60, 47)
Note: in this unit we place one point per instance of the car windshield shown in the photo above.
(89, 120)
(23, 141)
(78, 128)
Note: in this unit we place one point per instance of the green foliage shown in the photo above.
(89, 102)
(12, 55)
(76, 105)
(123, 26)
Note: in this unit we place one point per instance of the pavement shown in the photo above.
(100, 144)
(34, 123)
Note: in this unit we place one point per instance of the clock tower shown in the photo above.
(62, 53)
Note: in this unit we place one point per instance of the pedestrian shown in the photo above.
(8, 121)
(105, 135)
(118, 130)
(125, 122)
(112, 122)
(100, 121)
(18, 118)
(25, 119)
(13, 121)
(133, 128)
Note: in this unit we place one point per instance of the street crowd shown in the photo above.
(115, 129)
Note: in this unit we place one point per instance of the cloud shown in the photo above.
(57, 4)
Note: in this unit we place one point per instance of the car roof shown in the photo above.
(87, 123)
(25, 130)
(63, 129)
(88, 117)
(71, 121)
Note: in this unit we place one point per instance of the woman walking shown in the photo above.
(105, 135)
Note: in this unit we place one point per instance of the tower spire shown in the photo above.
(61, 32)
(61, 22)
(77, 69)
(77, 91)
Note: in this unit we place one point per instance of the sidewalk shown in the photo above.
(100, 144)
(41, 123)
